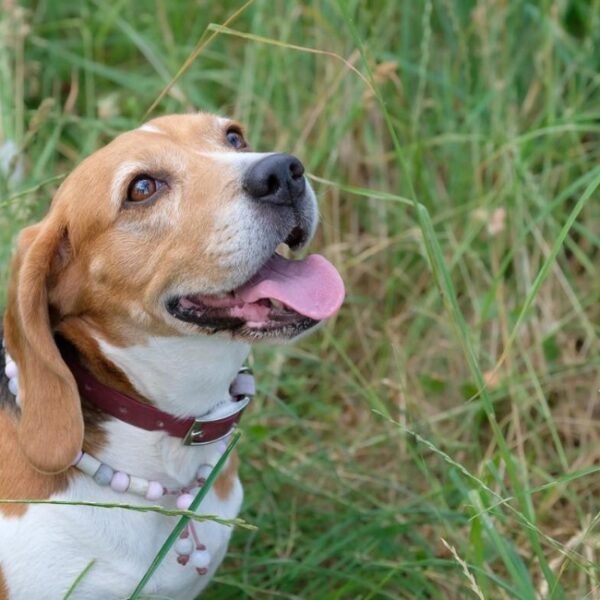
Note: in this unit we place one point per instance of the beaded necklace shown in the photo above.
(188, 547)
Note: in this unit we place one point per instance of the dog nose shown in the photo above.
(277, 179)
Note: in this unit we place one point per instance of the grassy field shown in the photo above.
(440, 439)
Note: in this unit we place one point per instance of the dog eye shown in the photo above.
(143, 187)
(236, 139)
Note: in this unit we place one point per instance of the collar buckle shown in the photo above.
(207, 431)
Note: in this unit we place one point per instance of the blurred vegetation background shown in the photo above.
(441, 437)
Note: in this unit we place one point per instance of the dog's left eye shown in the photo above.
(236, 139)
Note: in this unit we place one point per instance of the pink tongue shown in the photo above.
(312, 287)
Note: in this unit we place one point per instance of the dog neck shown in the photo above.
(184, 376)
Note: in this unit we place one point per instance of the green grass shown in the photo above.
(441, 437)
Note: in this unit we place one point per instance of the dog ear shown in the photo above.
(50, 428)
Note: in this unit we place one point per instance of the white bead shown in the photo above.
(184, 546)
(204, 471)
(200, 559)
(138, 485)
(88, 464)
(13, 386)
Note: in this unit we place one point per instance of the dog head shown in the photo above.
(171, 229)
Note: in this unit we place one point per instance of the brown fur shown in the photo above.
(3, 586)
(50, 407)
(226, 479)
(94, 266)
(21, 480)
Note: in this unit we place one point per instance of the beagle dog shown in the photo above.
(131, 309)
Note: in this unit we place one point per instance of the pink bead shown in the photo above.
(119, 482)
(184, 501)
(11, 370)
(155, 490)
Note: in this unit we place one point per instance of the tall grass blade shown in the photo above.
(160, 556)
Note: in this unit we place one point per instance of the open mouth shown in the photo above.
(282, 299)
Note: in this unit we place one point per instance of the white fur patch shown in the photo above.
(185, 375)
(238, 160)
(151, 129)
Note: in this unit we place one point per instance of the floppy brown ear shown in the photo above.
(50, 428)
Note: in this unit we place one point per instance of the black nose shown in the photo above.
(277, 178)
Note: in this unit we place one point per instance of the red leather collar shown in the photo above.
(193, 431)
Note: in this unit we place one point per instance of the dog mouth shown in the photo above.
(282, 299)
